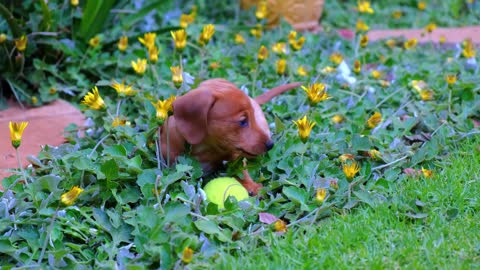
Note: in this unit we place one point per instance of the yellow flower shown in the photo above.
(376, 74)
(418, 85)
(94, 42)
(391, 43)
(357, 67)
(374, 120)
(321, 194)
(280, 226)
(361, 26)
(363, 41)
(214, 65)
(337, 119)
(279, 48)
(140, 66)
(187, 255)
(304, 128)
(74, 3)
(179, 39)
(346, 157)
(148, 40)
(21, 43)
(163, 107)
(421, 5)
(186, 19)
(257, 31)
(427, 173)
(153, 54)
(93, 100)
(384, 83)
(336, 58)
(302, 71)
(363, 6)
(442, 39)
(351, 169)
(122, 89)
(52, 91)
(177, 76)
(34, 100)
(206, 35)
(328, 70)
(261, 12)
(262, 54)
(468, 49)
(316, 92)
(430, 27)
(295, 44)
(71, 196)
(16, 132)
(239, 39)
(375, 154)
(281, 65)
(397, 14)
(451, 78)
(123, 43)
(410, 44)
(3, 37)
(426, 94)
(118, 122)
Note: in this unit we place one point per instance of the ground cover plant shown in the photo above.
(369, 117)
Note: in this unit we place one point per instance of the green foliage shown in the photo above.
(426, 223)
(135, 211)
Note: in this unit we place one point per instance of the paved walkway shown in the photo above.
(48, 122)
(46, 126)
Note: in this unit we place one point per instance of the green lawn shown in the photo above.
(444, 234)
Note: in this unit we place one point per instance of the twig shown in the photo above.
(198, 216)
(49, 232)
(97, 145)
(390, 163)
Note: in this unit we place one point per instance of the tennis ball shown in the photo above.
(219, 189)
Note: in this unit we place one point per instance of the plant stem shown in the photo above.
(20, 167)
(98, 144)
(49, 232)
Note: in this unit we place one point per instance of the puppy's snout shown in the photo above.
(269, 144)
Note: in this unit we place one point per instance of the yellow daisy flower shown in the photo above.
(16, 132)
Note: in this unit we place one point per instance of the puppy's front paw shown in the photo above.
(252, 187)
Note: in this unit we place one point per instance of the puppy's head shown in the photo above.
(220, 115)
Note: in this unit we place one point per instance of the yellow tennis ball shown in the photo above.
(219, 189)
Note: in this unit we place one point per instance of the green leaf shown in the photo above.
(365, 197)
(176, 212)
(117, 150)
(95, 13)
(297, 195)
(360, 143)
(6, 246)
(279, 126)
(47, 183)
(209, 227)
(110, 169)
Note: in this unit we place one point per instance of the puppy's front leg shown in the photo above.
(247, 181)
(251, 186)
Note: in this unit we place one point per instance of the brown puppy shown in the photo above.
(220, 123)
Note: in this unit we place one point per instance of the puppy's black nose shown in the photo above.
(269, 144)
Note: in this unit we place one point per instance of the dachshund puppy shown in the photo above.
(220, 123)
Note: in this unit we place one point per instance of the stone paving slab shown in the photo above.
(46, 126)
(452, 35)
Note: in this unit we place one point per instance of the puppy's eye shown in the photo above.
(243, 122)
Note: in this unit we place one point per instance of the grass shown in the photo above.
(443, 236)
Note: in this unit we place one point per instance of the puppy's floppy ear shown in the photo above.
(191, 113)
